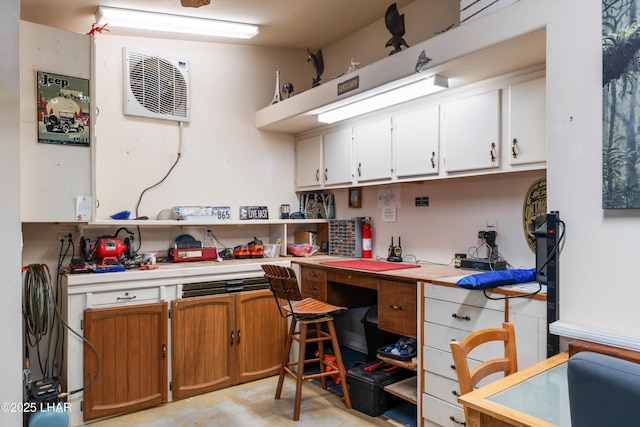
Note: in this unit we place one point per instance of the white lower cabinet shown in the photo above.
(451, 313)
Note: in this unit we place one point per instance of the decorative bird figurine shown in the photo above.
(318, 65)
(423, 60)
(395, 24)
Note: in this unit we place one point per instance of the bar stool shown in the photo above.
(310, 314)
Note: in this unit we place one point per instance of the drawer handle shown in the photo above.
(126, 298)
(462, 423)
(455, 393)
(397, 307)
(314, 275)
(457, 316)
(313, 288)
(453, 367)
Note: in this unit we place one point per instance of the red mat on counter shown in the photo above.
(370, 265)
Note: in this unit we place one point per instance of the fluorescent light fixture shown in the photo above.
(151, 21)
(382, 98)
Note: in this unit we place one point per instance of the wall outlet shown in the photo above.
(64, 235)
(492, 224)
(208, 234)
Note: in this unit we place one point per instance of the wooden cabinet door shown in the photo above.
(202, 337)
(260, 336)
(372, 142)
(397, 307)
(131, 344)
(308, 167)
(471, 132)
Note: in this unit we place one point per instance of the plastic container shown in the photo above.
(366, 388)
(272, 250)
(375, 337)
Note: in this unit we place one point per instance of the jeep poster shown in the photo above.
(63, 109)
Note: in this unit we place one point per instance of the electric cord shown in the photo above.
(167, 174)
(557, 248)
(37, 311)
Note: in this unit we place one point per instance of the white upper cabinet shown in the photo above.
(337, 157)
(527, 122)
(309, 162)
(415, 138)
(471, 132)
(372, 142)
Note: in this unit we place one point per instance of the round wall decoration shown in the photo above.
(534, 210)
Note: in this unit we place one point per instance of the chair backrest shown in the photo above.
(468, 378)
(283, 283)
(603, 390)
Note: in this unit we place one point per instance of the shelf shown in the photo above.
(403, 364)
(165, 223)
(406, 389)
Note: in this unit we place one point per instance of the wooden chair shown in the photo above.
(310, 314)
(468, 378)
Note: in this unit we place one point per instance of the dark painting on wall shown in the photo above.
(621, 104)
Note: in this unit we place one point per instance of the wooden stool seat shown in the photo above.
(310, 315)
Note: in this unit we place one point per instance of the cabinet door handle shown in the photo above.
(232, 339)
(238, 342)
(396, 307)
(325, 173)
(317, 175)
(359, 169)
(492, 152)
(457, 316)
(513, 148)
(433, 160)
(462, 423)
(164, 351)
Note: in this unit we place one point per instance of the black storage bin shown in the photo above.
(375, 337)
(366, 388)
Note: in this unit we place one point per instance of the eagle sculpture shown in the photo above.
(318, 65)
(395, 24)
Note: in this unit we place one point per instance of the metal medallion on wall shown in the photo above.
(534, 211)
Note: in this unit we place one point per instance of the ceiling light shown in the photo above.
(150, 21)
(385, 96)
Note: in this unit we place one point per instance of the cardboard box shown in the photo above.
(307, 237)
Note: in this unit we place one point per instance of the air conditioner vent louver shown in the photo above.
(155, 86)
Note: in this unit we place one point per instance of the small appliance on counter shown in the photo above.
(189, 249)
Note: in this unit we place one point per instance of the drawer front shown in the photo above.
(461, 316)
(397, 308)
(440, 362)
(442, 388)
(312, 289)
(312, 274)
(354, 279)
(461, 296)
(128, 296)
(441, 413)
(439, 337)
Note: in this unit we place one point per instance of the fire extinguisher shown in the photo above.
(366, 239)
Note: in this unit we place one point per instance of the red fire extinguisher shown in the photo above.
(366, 239)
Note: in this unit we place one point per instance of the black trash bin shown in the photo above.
(375, 337)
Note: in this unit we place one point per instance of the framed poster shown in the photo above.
(355, 197)
(63, 106)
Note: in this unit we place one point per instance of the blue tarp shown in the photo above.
(493, 279)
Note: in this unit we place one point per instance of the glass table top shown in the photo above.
(544, 396)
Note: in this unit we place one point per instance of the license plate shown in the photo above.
(221, 213)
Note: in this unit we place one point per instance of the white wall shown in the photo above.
(225, 159)
(10, 317)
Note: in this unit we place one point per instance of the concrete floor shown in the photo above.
(251, 404)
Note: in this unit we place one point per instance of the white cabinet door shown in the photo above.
(308, 162)
(373, 150)
(415, 139)
(471, 132)
(337, 157)
(528, 122)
